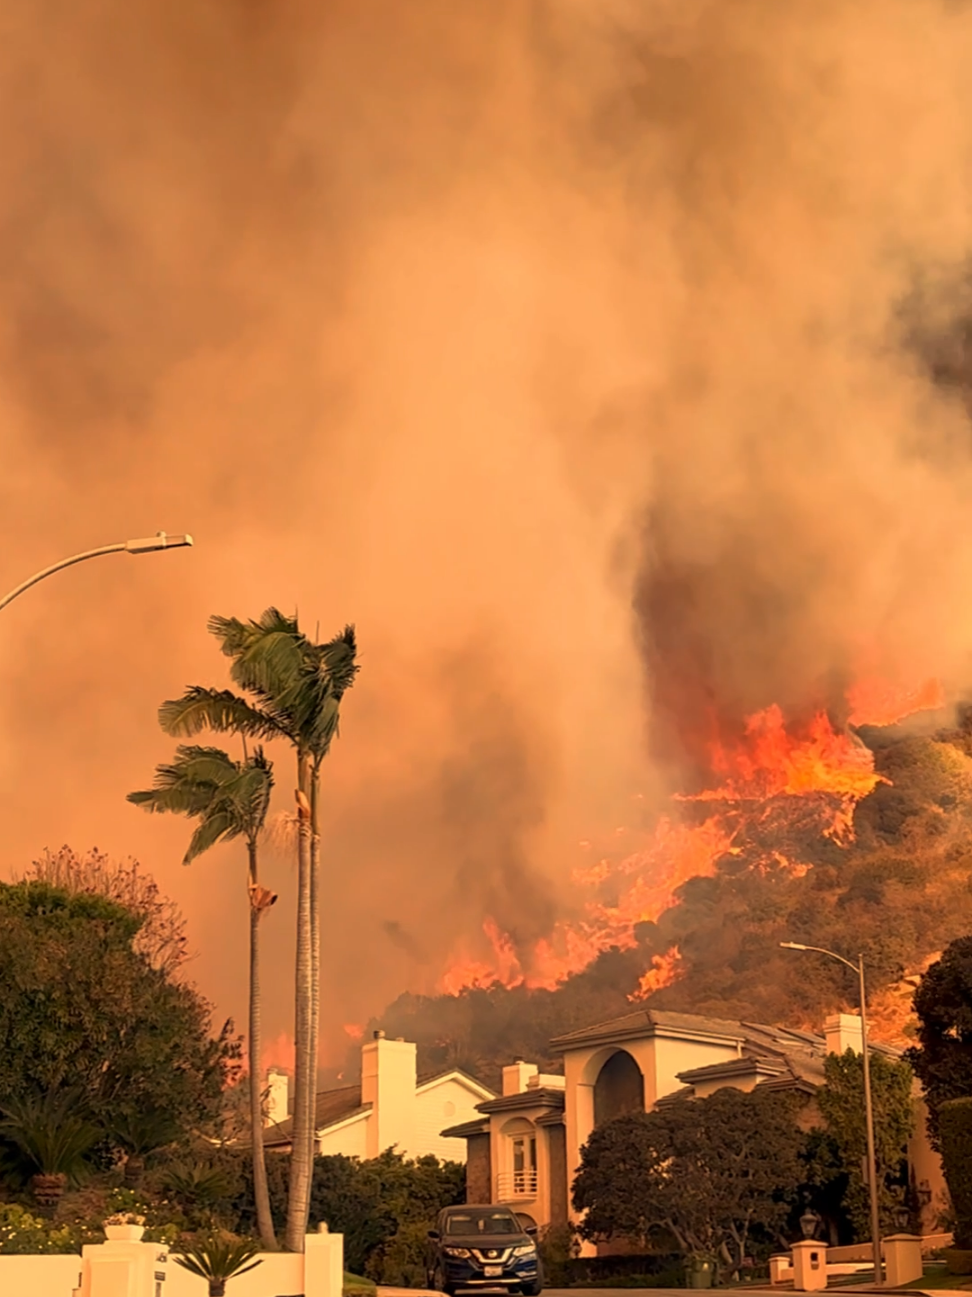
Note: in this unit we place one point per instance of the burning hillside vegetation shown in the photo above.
(852, 840)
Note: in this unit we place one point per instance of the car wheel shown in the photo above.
(438, 1283)
(532, 1289)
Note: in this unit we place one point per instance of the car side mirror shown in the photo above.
(531, 1229)
(434, 1235)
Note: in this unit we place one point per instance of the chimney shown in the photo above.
(278, 1084)
(516, 1077)
(388, 1081)
(843, 1032)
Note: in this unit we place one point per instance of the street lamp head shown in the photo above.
(793, 945)
(147, 544)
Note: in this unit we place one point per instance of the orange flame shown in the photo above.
(663, 971)
(769, 763)
(354, 1029)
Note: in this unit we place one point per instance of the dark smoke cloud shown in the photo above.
(557, 345)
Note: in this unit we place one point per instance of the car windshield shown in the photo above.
(482, 1222)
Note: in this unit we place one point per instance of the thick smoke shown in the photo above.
(565, 347)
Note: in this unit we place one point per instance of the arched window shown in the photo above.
(619, 1088)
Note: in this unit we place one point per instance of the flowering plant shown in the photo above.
(124, 1218)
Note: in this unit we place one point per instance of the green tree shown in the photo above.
(381, 1205)
(711, 1173)
(161, 936)
(942, 1060)
(293, 689)
(955, 1129)
(841, 1103)
(230, 800)
(80, 1008)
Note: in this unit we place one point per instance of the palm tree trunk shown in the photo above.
(301, 1161)
(315, 928)
(261, 1193)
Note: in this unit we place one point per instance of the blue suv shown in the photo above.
(483, 1247)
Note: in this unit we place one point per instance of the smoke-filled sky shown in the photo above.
(564, 346)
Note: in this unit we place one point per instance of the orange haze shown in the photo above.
(561, 346)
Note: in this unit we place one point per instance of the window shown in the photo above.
(482, 1222)
(524, 1158)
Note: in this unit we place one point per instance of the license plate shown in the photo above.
(492, 1271)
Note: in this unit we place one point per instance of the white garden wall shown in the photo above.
(319, 1272)
(39, 1276)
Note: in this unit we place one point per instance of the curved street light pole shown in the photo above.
(858, 968)
(144, 545)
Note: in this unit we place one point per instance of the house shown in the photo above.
(524, 1148)
(391, 1106)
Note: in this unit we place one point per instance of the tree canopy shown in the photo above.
(82, 1009)
(711, 1173)
(841, 1105)
(943, 1004)
(383, 1206)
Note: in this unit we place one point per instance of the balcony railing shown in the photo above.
(516, 1184)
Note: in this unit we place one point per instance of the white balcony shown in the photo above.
(514, 1185)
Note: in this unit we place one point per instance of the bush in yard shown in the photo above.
(558, 1246)
(400, 1262)
(21, 1232)
(955, 1133)
(381, 1205)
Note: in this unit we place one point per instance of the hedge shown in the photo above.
(955, 1130)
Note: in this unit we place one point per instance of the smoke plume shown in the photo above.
(588, 355)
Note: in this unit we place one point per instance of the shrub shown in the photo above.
(955, 1132)
(958, 1260)
(21, 1233)
(558, 1246)
(400, 1263)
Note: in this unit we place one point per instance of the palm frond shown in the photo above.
(188, 785)
(49, 1134)
(339, 659)
(205, 764)
(181, 799)
(219, 825)
(222, 710)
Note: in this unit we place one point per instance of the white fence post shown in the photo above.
(323, 1264)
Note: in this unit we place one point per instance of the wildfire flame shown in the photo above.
(823, 771)
(663, 971)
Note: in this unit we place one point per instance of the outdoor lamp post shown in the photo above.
(809, 1222)
(143, 545)
(868, 1106)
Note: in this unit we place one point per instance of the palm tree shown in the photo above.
(48, 1142)
(140, 1134)
(230, 800)
(295, 688)
(219, 1259)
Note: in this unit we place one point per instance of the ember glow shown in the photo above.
(776, 773)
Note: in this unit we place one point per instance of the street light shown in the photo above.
(868, 1107)
(143, 545)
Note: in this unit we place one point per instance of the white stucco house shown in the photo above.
(524, 1146)
(391, 1106)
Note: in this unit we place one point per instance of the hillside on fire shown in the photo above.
(862, 843)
